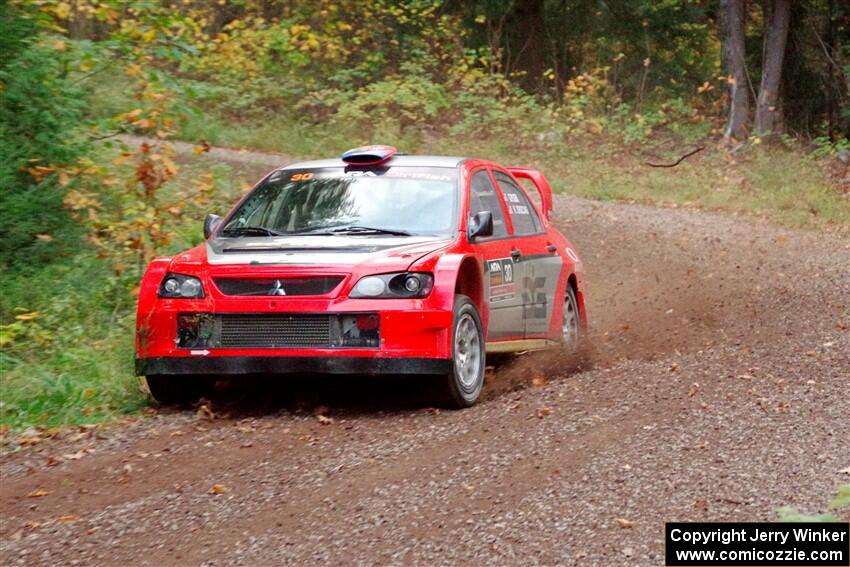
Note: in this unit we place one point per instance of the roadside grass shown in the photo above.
(783, 185)
(780, 185)
(71, 362)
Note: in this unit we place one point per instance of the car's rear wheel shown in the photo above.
(571, 330)
(172, 390)
(464, 382)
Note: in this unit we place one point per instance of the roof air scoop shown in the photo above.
(368, 155)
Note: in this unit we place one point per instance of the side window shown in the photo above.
(523, 215)
(483, 197)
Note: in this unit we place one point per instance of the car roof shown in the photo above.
(396, 160)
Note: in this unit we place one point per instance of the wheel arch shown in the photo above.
(470, 282)
(457, 273)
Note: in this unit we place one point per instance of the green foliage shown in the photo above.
(67, 327)
(825, 146)
(67, 339)
(840, 500)
(39, 115)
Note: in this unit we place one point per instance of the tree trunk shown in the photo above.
(733, 18)
(529, 42)
(776, 20)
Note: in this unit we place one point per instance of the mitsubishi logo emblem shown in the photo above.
(277, 289)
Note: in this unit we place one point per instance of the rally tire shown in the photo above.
(571, 331)
(463, 384)
(176, 390)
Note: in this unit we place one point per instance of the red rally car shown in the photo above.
(376, 263)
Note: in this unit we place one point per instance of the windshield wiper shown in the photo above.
(367, 230)
(251, 231)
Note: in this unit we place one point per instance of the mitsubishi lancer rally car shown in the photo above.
(375, 263)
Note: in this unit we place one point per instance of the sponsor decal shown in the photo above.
(502, 286)
(518, 209)
(534, 301)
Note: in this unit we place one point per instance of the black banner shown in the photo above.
(757, 544)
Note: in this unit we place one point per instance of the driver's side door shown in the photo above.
(502, 273)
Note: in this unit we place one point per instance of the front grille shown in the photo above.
(275, 331)
(308, 285)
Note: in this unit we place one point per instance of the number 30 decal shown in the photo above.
(301, 177)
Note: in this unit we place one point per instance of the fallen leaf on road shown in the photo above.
(700, 504)
(624, 523)
(37, 493)
(204, 412)
(845, 471)
(324, 420)
(53, 461)
(218, 489)
(538, 380)
(542, 412)
(693, 390)
(74, 456)
(68, 518)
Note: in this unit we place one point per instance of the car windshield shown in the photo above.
(385, 200)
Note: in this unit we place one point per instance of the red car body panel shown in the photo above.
(409, 328)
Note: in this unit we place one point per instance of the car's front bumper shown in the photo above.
(414, 339)
(235, 365)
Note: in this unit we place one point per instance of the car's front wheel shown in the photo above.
(464, 382)
(172, 390)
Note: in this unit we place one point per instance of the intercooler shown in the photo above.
(277, 330)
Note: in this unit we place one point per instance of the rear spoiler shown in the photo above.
(540, 183)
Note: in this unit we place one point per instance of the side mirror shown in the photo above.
(210, 224)
(481, 224)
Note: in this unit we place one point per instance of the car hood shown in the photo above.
(380, 252)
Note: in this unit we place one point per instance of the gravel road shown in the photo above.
(717, 387)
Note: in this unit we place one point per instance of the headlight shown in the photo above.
(178, 285)
(398, 285)
(371, 286)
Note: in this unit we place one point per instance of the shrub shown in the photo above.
(39, 112)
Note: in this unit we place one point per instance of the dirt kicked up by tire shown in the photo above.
(714, 388)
